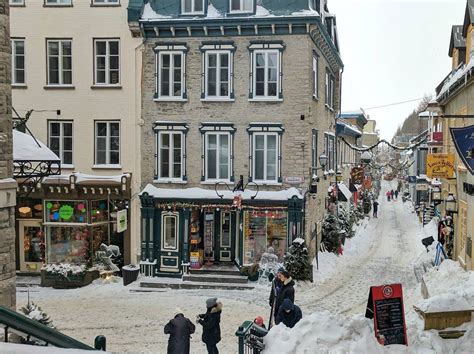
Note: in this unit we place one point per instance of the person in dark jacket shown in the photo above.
(375, 208)
(287, 290)
(180, 329)
(276, 288)
(211, 328)
(289, 314)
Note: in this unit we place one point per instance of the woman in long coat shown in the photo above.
(180, 329)
(211, 328)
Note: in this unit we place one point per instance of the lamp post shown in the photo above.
(323, 160)
(450, 205)
(436, 197)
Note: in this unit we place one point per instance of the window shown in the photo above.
(107, 62)
(107, 143)
(241, 5)
(58, 2)
(17, 2)
(217, 156)
(192, 6)
(218, 74)
(314, 148)
(59, 62)
(169, 233)
(266, 75)
(106, 2)
(265, 157)
(329, 90)
(170, 155)
(315, 76)
(329, 146)
(60, 140)
(18, 61)
(170, 75)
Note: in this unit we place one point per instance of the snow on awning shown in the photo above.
(85, 179)
(210, 194)
(345, 191)
(26, 148)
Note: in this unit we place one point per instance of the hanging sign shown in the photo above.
(440, 165)
(464, 141)
(357, 175)
(122, 222)
(422, 187)
(385, 306)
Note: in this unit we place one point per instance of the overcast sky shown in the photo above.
(393, 51)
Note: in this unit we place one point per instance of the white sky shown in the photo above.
(393, 51)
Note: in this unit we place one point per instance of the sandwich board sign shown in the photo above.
(385, 306)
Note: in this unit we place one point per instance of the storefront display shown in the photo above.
(209, 236)
(68, 244)
(264, 230)
(33, 244)
(66, 211)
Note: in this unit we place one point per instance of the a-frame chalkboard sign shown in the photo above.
(385, 306)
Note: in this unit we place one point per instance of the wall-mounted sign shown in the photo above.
(294, 180)
(464, 141)
(437, 137)
(440, 165)
(357, 175)
(422, 187)
(122, 221)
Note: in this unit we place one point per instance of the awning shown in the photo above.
(346, 193)
(85, 179)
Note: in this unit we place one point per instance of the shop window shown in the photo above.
(33, 244)
(264, 229)
(68, 244)
(28, 208)
(99, 211)
(169, 231)
(65, 211)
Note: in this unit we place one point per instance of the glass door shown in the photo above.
(32, 245)
(225, 242)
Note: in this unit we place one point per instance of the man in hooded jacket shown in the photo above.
(287, 290)
(289, 314)
(180, 329)
(211, 325)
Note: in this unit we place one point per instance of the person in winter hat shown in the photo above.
(287, 290)
(180, 329)
(289, 314)
(259, 321)
(211, 328)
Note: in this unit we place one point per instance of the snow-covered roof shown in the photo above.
(82, 178)
(210, 194)
(25, 148)
(456, 75)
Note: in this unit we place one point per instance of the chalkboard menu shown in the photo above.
(385, 306)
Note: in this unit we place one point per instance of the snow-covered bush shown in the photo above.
(333, 234)
(65, 269)
(35, 312)
(296, 260)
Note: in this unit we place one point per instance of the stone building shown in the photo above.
(237, 93)
(7, 184)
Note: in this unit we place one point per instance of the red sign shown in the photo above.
(437, 136)
(385, 306)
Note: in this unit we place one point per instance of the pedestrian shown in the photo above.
(396, 194)
(392, 194)
(211, 328)
(259, 322)
(375, 207)
(388, 196)
(274, 292)
(289, 314)
(180, 329)
(287, 291)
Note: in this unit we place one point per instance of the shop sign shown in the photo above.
(66, 212)
(122, 222)
(440, 165)
(294, 180)
(422, 187)
(357, 175)
(385, 306)
(464, 141)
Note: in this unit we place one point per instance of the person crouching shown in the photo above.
(289, 314)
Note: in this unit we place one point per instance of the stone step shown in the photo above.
(216, 278)
(189, 285)
(215, 271)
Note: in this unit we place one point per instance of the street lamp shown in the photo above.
(323, 160)
(365, 157)
(451, 204)
(338, 177)
(436, 197)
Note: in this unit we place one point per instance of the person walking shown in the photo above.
(287, 290)
(396, 194)
(392, 194)
(289, 314)
(211, 325)
(375, 207)
(274, 292)
(180, 329)
(388, 196)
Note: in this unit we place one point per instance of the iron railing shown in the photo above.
(251, 338)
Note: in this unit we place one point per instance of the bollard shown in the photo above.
(100, 343)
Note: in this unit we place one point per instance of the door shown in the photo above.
(225, 239)
(170, 243)
(31, 245)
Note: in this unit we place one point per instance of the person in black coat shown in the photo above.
(286, 291)
(211, 328)
(289, 314)
(375, 208)
(180, 329)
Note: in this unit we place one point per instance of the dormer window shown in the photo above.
(192, 7)
(241, 5)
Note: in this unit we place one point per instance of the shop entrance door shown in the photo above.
(170, 243)
(31, 243)
(225, 238)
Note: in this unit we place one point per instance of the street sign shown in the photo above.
(385, 306)
(294, 180)
(440, 165)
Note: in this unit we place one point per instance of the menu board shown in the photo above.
(385, 306)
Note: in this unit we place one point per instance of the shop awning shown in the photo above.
(210, 194)
(85, 179)
(345, 191)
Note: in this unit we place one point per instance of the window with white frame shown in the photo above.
(58, 2)
(266, 73)
(192, 7)
(17, 2)
(169, 222)
(170, 72)
(217, 74)
(59, 53)
(329, 142)
(329, 90)
(170, 152)
(241, 5)
(18, 61)
(60, 140)
(314, 148)
(107, 62)
(217, 149)
(107, 143)
(315, 76)
(106, 2)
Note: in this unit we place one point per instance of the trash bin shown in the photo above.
(130, 274)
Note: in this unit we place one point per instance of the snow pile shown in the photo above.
(326, 332)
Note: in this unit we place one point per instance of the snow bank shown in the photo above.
(12, 348)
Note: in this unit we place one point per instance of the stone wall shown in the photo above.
(7, 185)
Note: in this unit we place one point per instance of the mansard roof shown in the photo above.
(468, 17)
(457, 39)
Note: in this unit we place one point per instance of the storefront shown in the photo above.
(193, 227)
(68, 217)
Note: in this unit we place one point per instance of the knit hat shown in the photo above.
(287, 305)
(178, 311)
(284, 272)
(281, 270)
(211, 302)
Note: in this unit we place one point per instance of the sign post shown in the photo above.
(385, 306)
